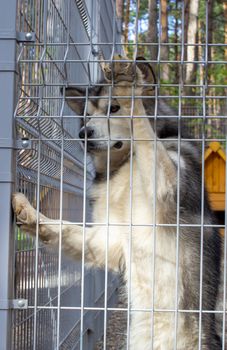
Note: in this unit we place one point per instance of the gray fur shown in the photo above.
(169, 162)
(190, 237)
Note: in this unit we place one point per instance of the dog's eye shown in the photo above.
(114, 108)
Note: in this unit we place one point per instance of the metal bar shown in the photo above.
(129, 224)
(172, 310)
(44, 67)
(108, 196)
(76, 43)
(60, 233)
(84, 232)
(224, 263)
(7, 156)
(181, 85)
(199, 97)
(37, 247)
(107, 226)
(198, 140)
(203, 184)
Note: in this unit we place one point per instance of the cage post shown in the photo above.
(8, 39)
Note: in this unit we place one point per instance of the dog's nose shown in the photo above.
(90, 132)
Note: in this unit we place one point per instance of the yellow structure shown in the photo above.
(215, 175)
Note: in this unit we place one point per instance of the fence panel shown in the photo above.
(48, 301)
(54, 43)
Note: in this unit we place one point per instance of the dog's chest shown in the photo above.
(121, 200)
(129, 214)
(125, 207)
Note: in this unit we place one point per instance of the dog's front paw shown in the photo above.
(23, 210)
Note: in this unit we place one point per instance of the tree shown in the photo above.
(164, 39)
(152, 34)
(120, 9)
(126, 25)
(191, 39)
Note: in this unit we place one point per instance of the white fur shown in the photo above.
(132, 246)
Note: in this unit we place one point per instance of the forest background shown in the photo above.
(186, 43)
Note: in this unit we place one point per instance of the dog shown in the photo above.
(147, 200)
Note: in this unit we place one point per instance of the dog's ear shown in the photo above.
(147, 71)
(75, 98)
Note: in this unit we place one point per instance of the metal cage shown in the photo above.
(46, 300)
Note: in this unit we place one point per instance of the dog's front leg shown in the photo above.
(148, 157)
(74, 238)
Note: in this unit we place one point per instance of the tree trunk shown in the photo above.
(210, 67)
(164, 39)
(152, 29)
(126, 29)
(210, 28)
(191, 39)
(225, 31)
(186, 18)
(225, 52)
(176, 51)
(120, 8)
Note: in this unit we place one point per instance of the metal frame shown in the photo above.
(44, 147)
(39, 54)
(7, 172)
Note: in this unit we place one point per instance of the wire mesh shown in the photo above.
(51, 174)
(70, 306)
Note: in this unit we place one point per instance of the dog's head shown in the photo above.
(104, 107)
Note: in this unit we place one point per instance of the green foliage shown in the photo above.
(24, 242)
(214, 73)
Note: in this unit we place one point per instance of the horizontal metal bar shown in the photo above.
(127, 117)
(180, 62)
(199, 139)
(147, 44)
(58, 222)
(104, 97)
(6, 177)
(40, 307)
(18, 36)
(8, 35)
(7, 66)
(7, 143)
(163, 84)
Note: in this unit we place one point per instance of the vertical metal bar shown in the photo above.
(84, 229)
(37, 235)
(130, 218)
(202, 227)
(107, 194)
(7, 156)
(154, 216)
(60, 229)
(178, 219)
(131, 189)
(40, 104)
(155, 180)
(225, 256)
(180, 89)
(107, 222)
(202, 182)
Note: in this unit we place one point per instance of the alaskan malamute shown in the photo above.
(154, 223)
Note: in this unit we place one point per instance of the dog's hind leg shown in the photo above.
(74, 237)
